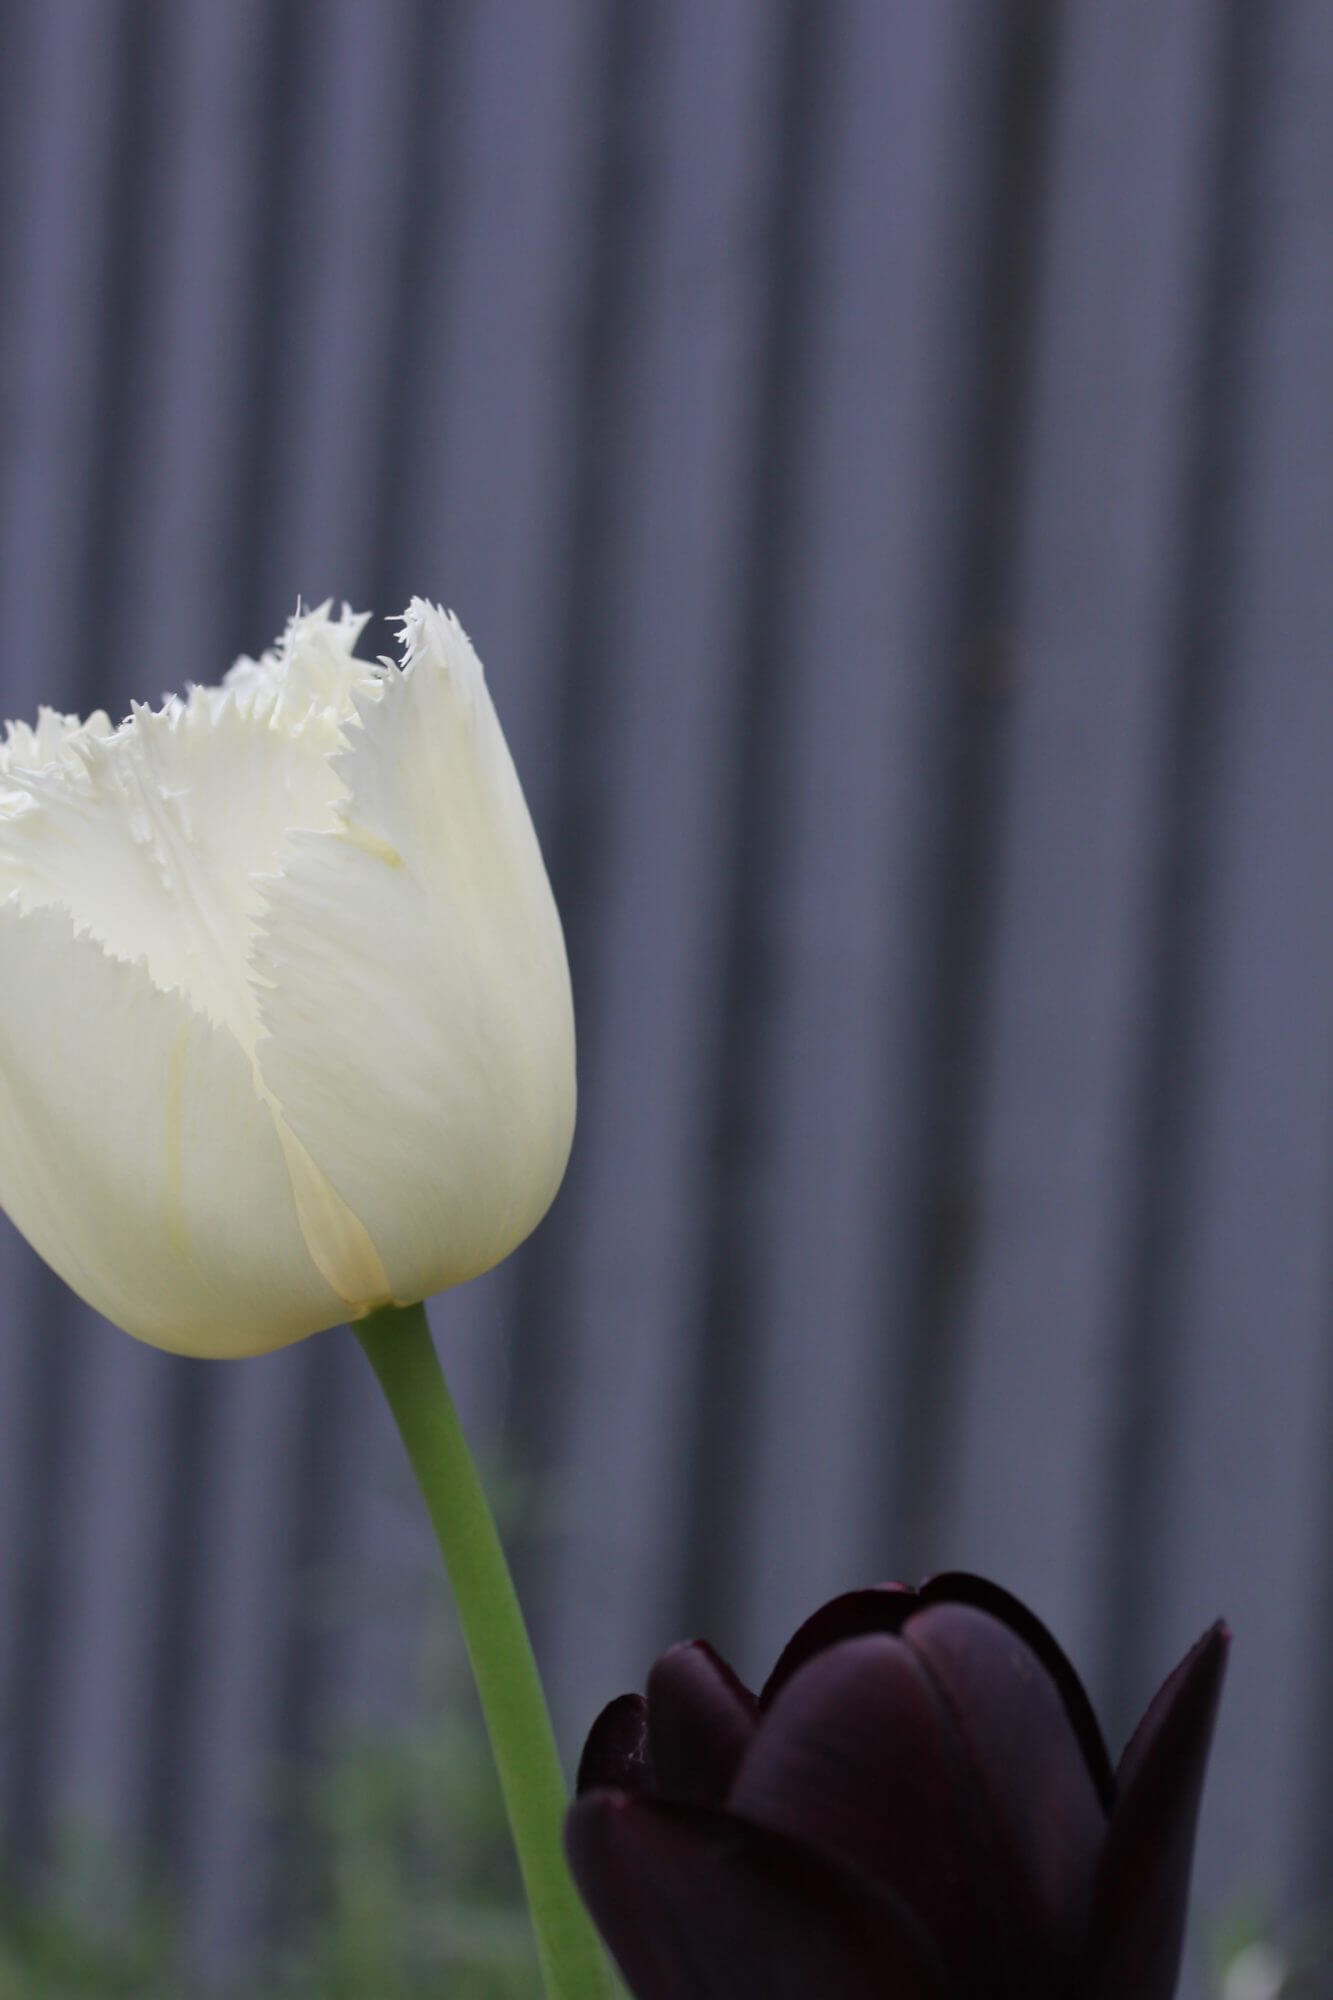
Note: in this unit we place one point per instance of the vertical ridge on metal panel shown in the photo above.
(185, 1426)
(423, 302)
(1246, 1514)
(177, 583)
(103, 630)
(641, 1190)
(838, 874)
(607, 254)
(116, 1580)
(74, 71)
(1189, 815)
(59, 221)
(272, 278)
(229, 1653)
(974, 673)
(20, 1551)
(33, 1721)
(350, 261)
(726, 1342)
(1093, 597)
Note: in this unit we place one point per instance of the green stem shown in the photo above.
(402, 1353)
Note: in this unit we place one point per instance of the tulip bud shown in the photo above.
(286, 1032)
(919, 1803)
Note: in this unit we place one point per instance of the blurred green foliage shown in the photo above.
(1253, 1957)
(400, 1878)
(52, 1946)
(407, 1884)
(400, 1886)
(393, 1872)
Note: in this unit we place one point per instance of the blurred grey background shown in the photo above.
(883, 452)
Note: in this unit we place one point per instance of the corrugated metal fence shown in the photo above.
(883, 451)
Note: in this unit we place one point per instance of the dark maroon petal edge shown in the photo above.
(1142, 1889)
(615, 1755)
(857, 1614)
(962, 1587)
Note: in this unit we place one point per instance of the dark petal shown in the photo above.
(1143, 1883)
(887, 1607)
(1045, 1821)
(884, 1607)
(616, 1752)
(859, 1758)
(696, 1906)
(960, 1587)
(700, 1721)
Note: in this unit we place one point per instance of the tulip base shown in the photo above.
(402, 1353)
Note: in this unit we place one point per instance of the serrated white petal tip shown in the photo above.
(320, 875)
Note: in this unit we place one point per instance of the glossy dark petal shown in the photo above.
(616, 1752)
(1143, 1883)
(961, 1587)
(884, 1607)
(859, 1758)
(696, 1906)
(700, 1721)
(887, 1607)
(1044, 1820)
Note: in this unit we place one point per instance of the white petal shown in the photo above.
(422, 1043)
(312, 667)
(51, 741)
(155, 837)
(138, 1157)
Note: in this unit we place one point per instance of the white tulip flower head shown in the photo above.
(286, 1032)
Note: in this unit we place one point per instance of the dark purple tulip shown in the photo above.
(918, 1806)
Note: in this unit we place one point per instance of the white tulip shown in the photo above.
(285, 1020)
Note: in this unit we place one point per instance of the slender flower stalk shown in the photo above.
(400, 1349)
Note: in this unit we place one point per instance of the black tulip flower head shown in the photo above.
(918, 1806)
